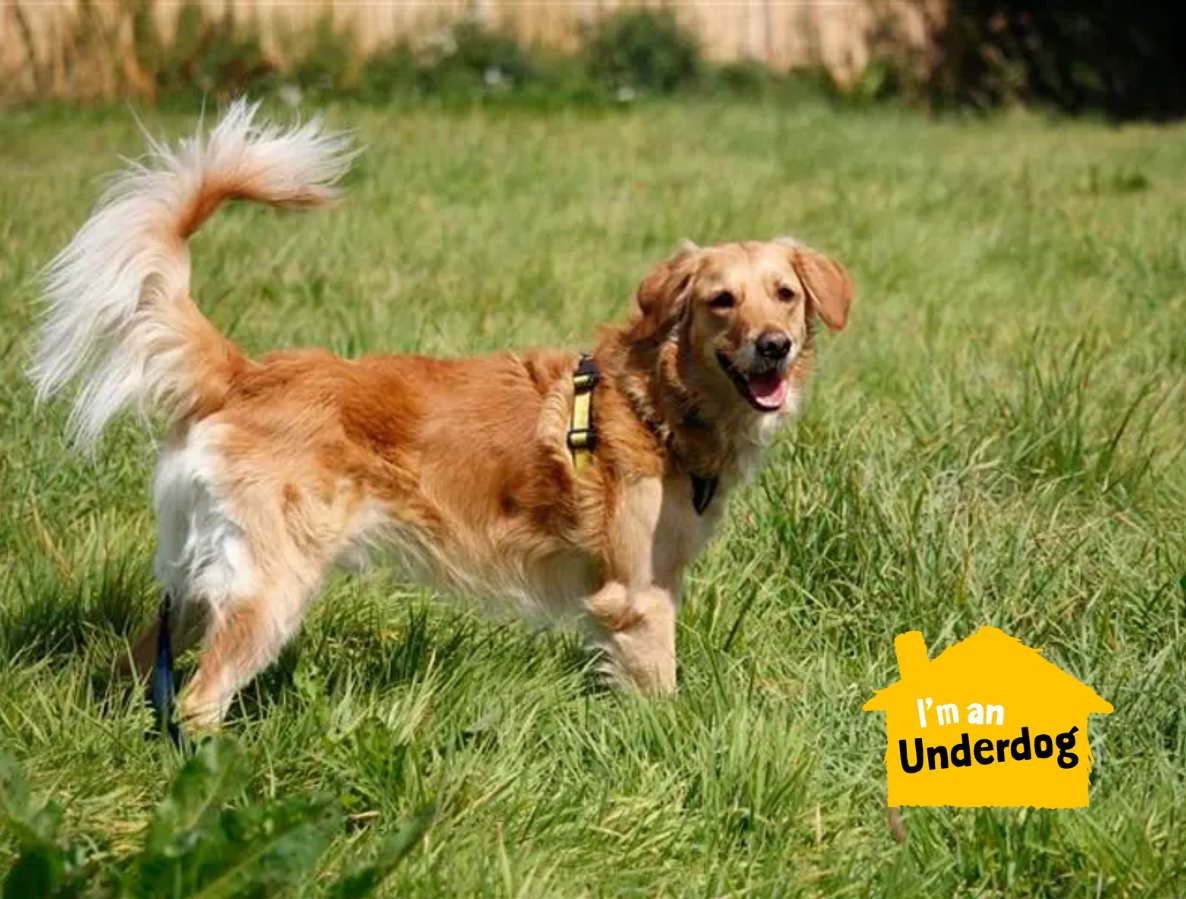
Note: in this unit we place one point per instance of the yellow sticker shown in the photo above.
(989, 722)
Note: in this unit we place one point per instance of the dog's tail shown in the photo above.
(119, 314)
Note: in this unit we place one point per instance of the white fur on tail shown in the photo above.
(119, 314)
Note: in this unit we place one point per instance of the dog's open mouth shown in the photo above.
(766, 390)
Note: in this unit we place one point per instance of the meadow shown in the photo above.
(996, 439)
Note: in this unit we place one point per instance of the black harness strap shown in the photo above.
(703, 490)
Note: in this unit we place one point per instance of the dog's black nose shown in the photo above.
(773, 345)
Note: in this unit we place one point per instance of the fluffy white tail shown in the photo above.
(119, 315)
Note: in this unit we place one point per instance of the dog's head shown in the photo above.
(746, 311)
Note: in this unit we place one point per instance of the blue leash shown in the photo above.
(162, 688)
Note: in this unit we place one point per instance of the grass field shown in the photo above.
(997, 439)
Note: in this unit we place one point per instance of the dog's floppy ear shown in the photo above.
(663, 293)
(828, 286)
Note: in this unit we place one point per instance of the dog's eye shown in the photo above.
(723, 300)
(785, 294)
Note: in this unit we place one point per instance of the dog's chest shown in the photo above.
(661, 529)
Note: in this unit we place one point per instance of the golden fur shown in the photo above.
(279, 468)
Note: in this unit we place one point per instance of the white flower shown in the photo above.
(438, 45)
(290, 95)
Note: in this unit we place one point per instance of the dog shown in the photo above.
(473, 474)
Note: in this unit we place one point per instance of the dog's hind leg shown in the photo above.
(242, 639)
(246, 536)
(269, 571)
(200, 553)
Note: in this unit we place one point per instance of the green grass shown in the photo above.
(997, 439)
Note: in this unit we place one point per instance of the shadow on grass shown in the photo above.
(50, 618)
(352, 642)
(355, 644)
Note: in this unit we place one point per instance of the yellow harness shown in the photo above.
(582, 438)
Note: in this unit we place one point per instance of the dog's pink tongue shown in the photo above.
(768, 389)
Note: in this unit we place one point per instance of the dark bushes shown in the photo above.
(1122, 59)
(643, 50)
(207, 55)
(628, 54)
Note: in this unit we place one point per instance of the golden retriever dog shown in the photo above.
(462, 470)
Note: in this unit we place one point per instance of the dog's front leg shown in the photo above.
(636, 628)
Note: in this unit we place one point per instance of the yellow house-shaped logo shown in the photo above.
(989, 722)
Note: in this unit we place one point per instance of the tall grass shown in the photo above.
(997, 439)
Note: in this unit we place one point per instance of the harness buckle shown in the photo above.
(587, 374)
(582, 439)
